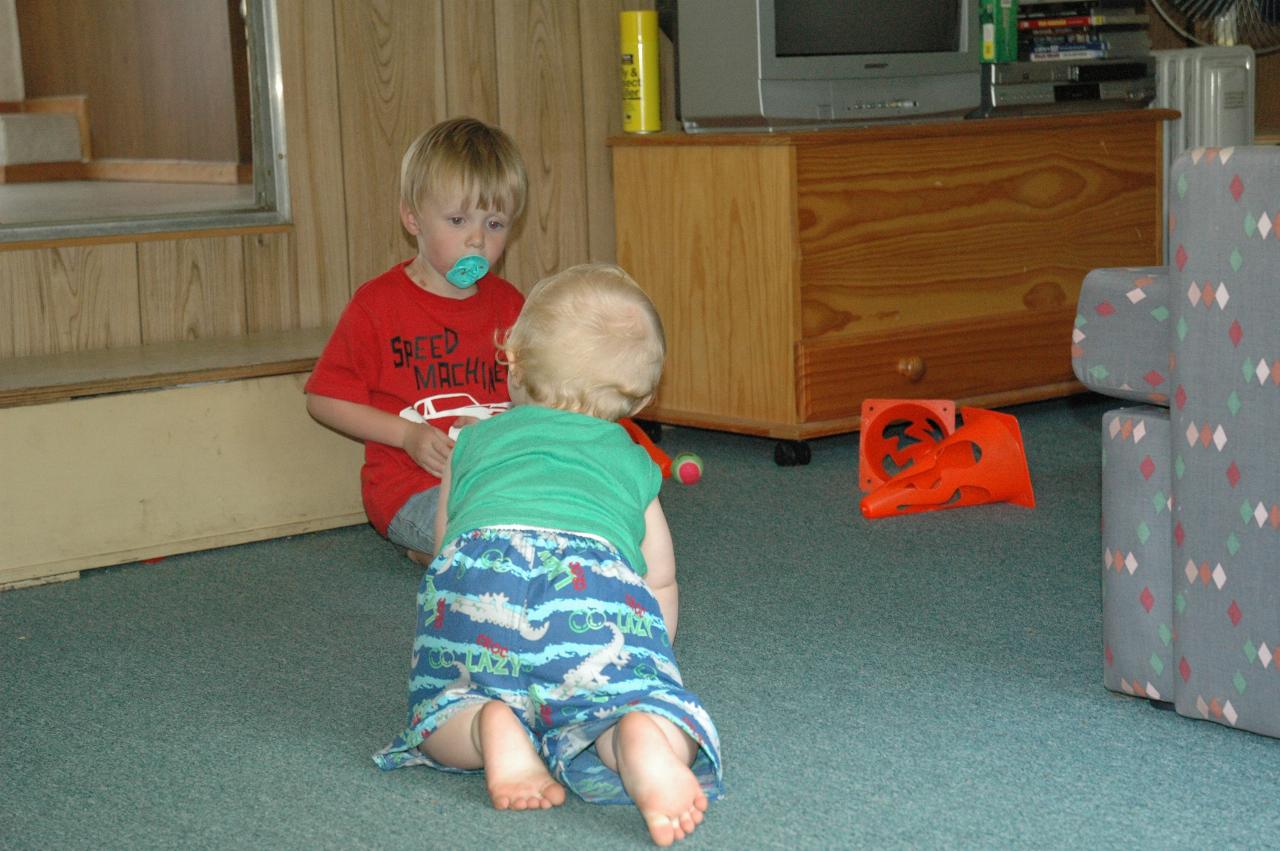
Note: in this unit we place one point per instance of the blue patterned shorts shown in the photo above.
(561, 629)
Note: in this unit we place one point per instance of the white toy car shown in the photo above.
(452, 405)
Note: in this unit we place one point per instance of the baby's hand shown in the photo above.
(428, 447)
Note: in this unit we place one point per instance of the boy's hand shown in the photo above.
(427, 446)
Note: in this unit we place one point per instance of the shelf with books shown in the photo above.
(1066, 54)
(1081, 30)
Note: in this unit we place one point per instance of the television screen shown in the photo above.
(823, 28)
(797, 64)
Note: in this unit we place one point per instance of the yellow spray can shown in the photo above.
(641, 111)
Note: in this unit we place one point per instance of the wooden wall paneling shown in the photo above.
(470, 60)
(71, 299)
(191, 288)
(540, 101)
(8, 283)
(601, 115)
(270, 285)
(391, 87)
(1266, 96)
(313, 137)
(160, 83)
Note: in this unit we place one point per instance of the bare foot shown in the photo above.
(660, 782)
(516, 777)
(420, 557)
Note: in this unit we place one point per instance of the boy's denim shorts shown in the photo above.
(414, 526)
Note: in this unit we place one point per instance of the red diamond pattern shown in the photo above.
(1236, 333)
(1147, 599)
(1233, 474)
(1178, 534)
(1110, 656)
(1105, 309)
(1180, 397)
(1180, 257)
(1233, 612)
(1184, 668)
(1237, 187)
(1154, 378)
(1147, 467)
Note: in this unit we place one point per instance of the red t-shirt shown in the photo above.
(398, 346)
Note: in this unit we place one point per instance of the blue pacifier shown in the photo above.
(467, 271)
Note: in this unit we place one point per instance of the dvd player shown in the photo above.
(1041, 86)
(1087, 71)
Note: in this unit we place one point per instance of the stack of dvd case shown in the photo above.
(1072, 54)
(1086, 29)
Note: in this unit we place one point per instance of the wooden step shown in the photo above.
(40, 379)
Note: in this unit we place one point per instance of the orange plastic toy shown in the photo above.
(637, 434)
(895, 432)
(983, 461)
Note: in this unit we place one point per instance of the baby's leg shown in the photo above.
(652, 756)
(490, 736)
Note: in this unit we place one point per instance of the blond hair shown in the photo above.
(588, 340)
(468, 157)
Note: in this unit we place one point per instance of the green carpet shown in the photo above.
(922, 682)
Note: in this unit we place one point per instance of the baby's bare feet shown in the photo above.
(660, 782)
(517, 779)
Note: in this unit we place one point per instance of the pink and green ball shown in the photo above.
(687, 468)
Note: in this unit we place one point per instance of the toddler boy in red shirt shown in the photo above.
(415, 353)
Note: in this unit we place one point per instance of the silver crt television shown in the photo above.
(807, 64)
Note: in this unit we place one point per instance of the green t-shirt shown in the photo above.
(536, 466)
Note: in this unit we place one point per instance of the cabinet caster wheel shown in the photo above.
(791, 453)
(651, 430)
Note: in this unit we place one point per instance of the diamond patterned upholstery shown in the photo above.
(1191, 480)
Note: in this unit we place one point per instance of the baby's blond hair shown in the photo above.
(588, 340)
(468, 157)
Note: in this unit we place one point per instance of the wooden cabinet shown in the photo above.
(799, 273)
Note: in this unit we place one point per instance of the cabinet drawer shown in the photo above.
(958, 360)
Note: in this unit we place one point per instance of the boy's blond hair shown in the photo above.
(463, 155)
(588, 340)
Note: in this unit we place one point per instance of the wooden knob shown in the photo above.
(912, 368)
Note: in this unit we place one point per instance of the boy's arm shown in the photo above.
(427, 446)
(659, 554)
